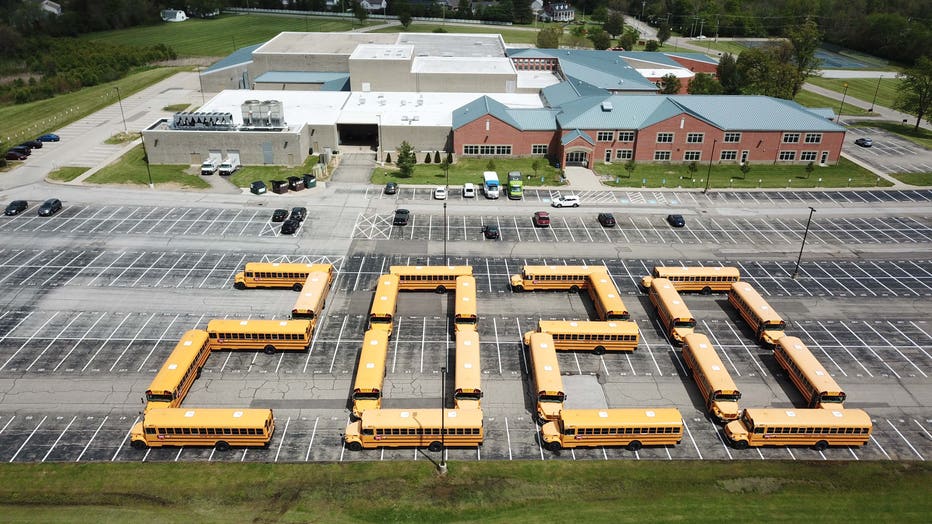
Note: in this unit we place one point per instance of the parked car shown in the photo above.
(15, 155)
(566, 201)
(16, 207)
(49, 137)
(279, 215)
(32, 144)
(469, 190)
(607, 219)
(298, 213)
(22, 150)
(676, 220)
(541, 219)
(290, 226)
(490, 232)
(401, 217)
(440, 193)
(49, 207)
(391, 188)
(864, 141)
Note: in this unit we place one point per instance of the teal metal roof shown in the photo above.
(603, 69)
(754, 113)
(649, 56)
(544, 119)
(242, 55)
(825, 112)
(573, 135)
(300, 77)
(558, 94)
(696, 57)
(480, 107)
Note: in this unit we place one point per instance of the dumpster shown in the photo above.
(309, 180)
(279, 186)
(295, 183)
(257, 187)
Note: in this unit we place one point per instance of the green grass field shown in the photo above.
(219, 36)
(249, 174)
(810, 99)
(470, 170)
(131, 169)
(729, 176)
(487, 492)
(862, 88)
(67, 174)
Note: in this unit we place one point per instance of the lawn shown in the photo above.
(24, 121)
(862, 88)
(131, 169)
(67, 174)
(470, 170)
(487, 491)
(810, 99)
(219, 36)
(712, 47)
(249, 174)
(729, 176)
(922, 137)
(915, 179)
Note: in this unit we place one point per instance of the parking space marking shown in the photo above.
(28, 340)
(720, 346)
(54, 339)
(906, 440)
(89, 442)
(105, 342)
(125, 438)
(747, 350)
(57, 440)
(28, 439)
(889, 345)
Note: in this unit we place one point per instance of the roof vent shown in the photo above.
(607, 106)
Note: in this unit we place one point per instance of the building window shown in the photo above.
(503, 150)
(790, 138)
(694, 138)
(487, 150)
(787, 156)
(664, 138)
(624, 154)
(813, 138)
(732, 138)
(661, 155)
(539, 149)
(626, 136)
(808, 156)
(470, 150)
(692, 156)
(605, 136)
(729, 155)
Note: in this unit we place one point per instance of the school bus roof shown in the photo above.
(587, 326)
(670, 298)
(414, 418)
(371, 371)
(620, 417)
(287, 267)
(430, 270)
(218, 417)
(179, 361)
(258, 326)
(559, 270)
(755, 301)
(808, 417)
(808, 364)
(665, 271)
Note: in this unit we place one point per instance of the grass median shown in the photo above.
(488, 491)
(863, 88)
(470, 170)
(246, 175)
(130, 169)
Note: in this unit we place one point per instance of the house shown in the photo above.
(173, 15)
(47, 6)
(373, 5)
(560, 12)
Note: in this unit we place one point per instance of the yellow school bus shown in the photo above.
(766, 324)
(548, 384)
(277, 275)
(697, 278)
(715, 383)
(266, 335)
(384, 303)
(313, 297)
(671, 310)
(415, 428)
(436, 278)
(810, 378)
(220, 428)
(589, 335)
(465, 313)
(819, 428)
(179, 371)
(632, 428)
(370, 374)
(534, 278)
(467, 377)
(605, 297)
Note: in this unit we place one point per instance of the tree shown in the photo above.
(629, 167)
(600, 39)
(427, 158)
(810, 167)
(669, 84)
(914, 94)
(464, 9)
(745, 169)
(804, 40)
(388, 158)
(664, 33)
(406, 159)
(490, 166)
(600, 14)
(727, 73)
(614, 24)
(403, 10)
(449, 157)
(536, 165)
(704, 84)
(692, 167)
(765, 72)
(360, 13)
(436, 157)
(652, 45)
(629, 38)
(549, 38)
(522, 12)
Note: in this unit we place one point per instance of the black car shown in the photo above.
(15, 155)
(864, 141)
(391, 188)
(490, 232)
(607, 219)
(290, 226)
(401, 217)
(676, 220)
(298, 213)
(279, 215)
(22, 149)
(16, 207)
(32, 144)
(49, 207)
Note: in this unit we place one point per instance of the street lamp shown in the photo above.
(446, 170)
(443, 417)
(120, 100)
(145, 158)
(840, 109)
(879, 78)
(381, 161)
(799, 259)
(200, 81)
(708, 178)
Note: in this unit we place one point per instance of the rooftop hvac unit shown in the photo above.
(276, 113)
(250, 109)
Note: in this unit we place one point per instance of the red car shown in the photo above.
(15, 155)
(541, 219)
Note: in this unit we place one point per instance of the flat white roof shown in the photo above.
(659, 72)
(298, 107)
(322, 43)
(463, 65)
(537, 79)
(419, 109)
(383, 52)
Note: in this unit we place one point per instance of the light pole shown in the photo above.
(842, 107)
(145, 158)
(799, 259)
(381, 161)
(120, 100)
(642, 9)
(443, 416)
(446, 170)
(879, 78)
(708, 177)
(200, 81)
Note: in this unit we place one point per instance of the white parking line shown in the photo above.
(336, 348)
(28, 340)
(127, 268)
(25, 264)
(651, 353)
(720, 347)
(746, 349)
(901, 436)
(130, 343)
(891, 346)
(125, 438)
(57, 440)
(840, 344)
(310, 444)
(282, 441)
(911, 340)
(104, 343)
(853, 279)
(423, 342)
(192, 268)
(162, 337)
(28, 438)
(83, 451)
(54, 340)
(813, 342)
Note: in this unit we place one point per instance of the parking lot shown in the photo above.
(571, 226)
(889, 153)
(877, 353)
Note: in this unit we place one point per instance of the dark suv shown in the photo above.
(279, 215)
(401, 217)
(607, 219)
(490, 231)
(298, 213)
(49, 207)
(676, 220)
(16, 207)
(290, 226)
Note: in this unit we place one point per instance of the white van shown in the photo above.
(566, 201)
(469, 190)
